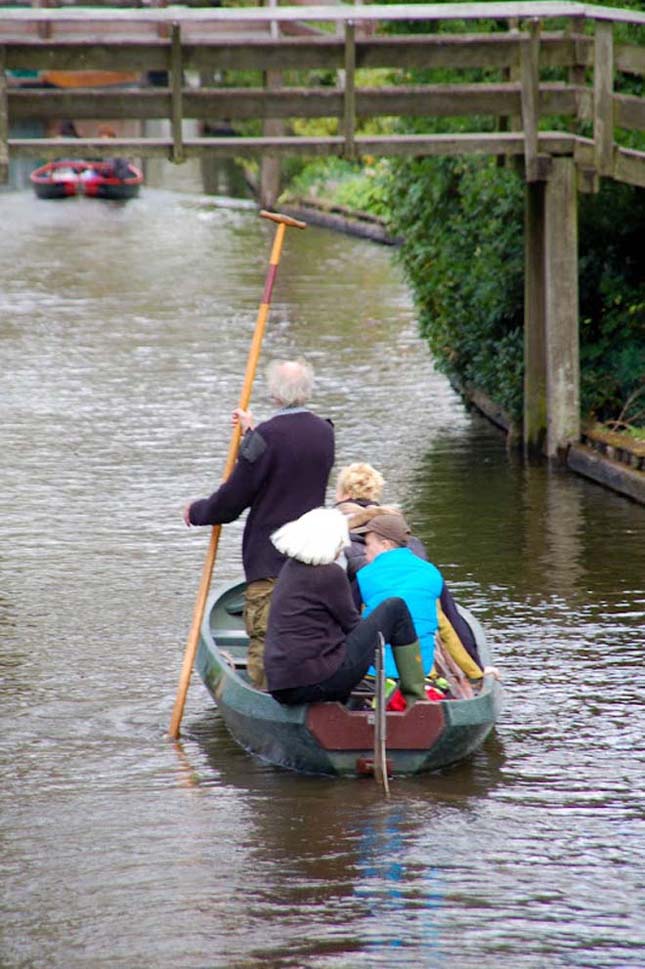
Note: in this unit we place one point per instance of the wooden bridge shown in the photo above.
(556, 97)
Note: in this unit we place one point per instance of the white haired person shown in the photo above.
(282, 470)
(317, 645)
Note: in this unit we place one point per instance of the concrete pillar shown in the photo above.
(561, 308)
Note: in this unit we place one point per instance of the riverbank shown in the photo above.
(611, 459)
(337, 217)
(608, 458)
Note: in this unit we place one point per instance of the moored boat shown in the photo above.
(330, 738)
(96, 179)
(58, 179)
(106, 180)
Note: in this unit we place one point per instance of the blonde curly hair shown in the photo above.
(360, 480)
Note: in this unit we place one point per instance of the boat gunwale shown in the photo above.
(474, 717)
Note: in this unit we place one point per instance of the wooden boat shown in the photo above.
(96, 179)
(330, 738)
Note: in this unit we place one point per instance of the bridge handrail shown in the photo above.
(525, 9)
(174, 40)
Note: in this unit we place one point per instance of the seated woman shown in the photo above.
(393, 569)
(317, 646)
(359, 488)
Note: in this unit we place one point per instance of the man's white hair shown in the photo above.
(316, 538)
(290, 381)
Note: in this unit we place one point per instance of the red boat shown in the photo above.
(114, 179)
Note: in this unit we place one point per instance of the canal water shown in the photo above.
(124, 332)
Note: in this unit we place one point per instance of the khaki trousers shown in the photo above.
(257, 600)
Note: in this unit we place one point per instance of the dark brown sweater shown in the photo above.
(312, 612)
(281, 473)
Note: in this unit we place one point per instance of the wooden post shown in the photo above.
(4, 119)
(603, 86)
(270, 167)
(349, 100)
(530, 74)
(535, 410)
(561, 307)
(176, 77)
(576, 73)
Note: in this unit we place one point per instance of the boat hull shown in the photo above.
(65, 179)
(329, 738)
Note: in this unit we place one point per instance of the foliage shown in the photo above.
(462, 222)
(462, 225)
(612, 297)
(463, 254)
(353, 185)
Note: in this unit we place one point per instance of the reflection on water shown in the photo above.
(124, 332)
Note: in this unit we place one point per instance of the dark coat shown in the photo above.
(311, 613)
(281, 473)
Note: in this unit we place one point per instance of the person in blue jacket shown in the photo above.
(393, 569)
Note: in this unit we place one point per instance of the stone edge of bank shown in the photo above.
(335, 217)
(621, 470)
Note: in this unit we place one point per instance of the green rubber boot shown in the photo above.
(412, 681)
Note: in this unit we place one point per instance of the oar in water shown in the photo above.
(283, 222)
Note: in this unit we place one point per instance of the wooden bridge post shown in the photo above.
(270, 167)
(603, 89)
(551, 348)
(349, 91)
(176, 97)
(561, 307)
(4, 119)
(535, 404)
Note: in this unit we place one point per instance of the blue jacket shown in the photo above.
(399, 572)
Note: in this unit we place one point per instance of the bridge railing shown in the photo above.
(278, 54)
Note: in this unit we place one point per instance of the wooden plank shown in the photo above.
(494, 143)
(603, 98)
(629, 112)
(576, 75)
(4, 119)
(561, 308)
(494, 51)
(629, 166)
(175, 67)
(613, 474)
(535, 412)
(236, 103)
(349, 93)
(530, 75)
(201, 18)
(270, 165)
(630, 59)
(95, 55)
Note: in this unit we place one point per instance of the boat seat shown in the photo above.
(235, 608)
(236, 639)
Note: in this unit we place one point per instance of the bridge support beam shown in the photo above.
(551, 343)
(270, 166)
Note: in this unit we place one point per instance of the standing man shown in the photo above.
(281, 472)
